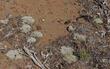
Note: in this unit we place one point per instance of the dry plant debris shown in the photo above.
(87, 44)
(19, 32)
(33, 56)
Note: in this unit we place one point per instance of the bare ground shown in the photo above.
(50, 16)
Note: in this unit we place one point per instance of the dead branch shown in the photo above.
(33, 56)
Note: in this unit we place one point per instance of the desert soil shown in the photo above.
(50, 16)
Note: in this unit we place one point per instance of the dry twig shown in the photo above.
(33, 56)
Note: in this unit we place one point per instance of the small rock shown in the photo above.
(36, 34)
(14, 54)
(25, 28)
(98, 21)
(31, 40)
(27, 20)
(43, 20)
(79, 37)
(67, 53)
(70, 28)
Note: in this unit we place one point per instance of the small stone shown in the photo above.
(31, 40)
(43, 20)
(36, 34)
(98, 21)
(79, 37)
(25, 28)
(27, 20)
(14, 54)
(67, 53)
(70, 28)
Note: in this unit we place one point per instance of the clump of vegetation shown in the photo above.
(26, 28)
(36, 34)
(79, 37)
(31, 40)
(27, 20)
(14, 54)
(84, 55)
(98, 21)
(68, 55)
